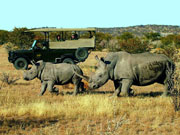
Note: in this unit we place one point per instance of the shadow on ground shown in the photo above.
(151, 94)
(24, 123)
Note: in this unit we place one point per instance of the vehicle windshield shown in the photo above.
(34, 43)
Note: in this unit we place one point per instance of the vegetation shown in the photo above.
(152, 38)
(95, 112)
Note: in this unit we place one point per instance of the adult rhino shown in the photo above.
(54, 74)
(126, 69)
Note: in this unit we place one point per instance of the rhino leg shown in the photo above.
(125, 89)
(117, 86)
(43, 88)
(82, 87)
(77, 82)
(76, 90)
(51, 88)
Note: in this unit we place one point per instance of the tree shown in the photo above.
(133, 45)
(21, 38)
(3, 36)
(126, 36)
(152, 36)
(102, 37)
(168, 39)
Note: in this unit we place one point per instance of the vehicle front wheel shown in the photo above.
(21, 63)
(68, 60)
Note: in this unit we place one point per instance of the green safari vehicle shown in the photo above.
(65, 48)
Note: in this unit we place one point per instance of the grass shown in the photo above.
(22, 111)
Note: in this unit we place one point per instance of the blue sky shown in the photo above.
(91, 13)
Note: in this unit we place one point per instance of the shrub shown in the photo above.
(3, 37)
(8, 78)
(152, 36)
(20, 38)
(133, 45)
(176, 89)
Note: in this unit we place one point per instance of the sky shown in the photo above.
(91, 13)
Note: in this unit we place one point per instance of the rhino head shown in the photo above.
(100, 77)
(34, 71)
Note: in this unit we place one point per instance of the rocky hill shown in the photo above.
(141, 29)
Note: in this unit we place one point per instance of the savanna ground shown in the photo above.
(22, 111)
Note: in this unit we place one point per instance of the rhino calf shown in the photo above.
(54, 74)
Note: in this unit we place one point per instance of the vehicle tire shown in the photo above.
(68, 60)
(81, 54)
(20, 63)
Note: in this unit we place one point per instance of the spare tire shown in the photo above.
(68, 60)
(81, 54)
(21, 63)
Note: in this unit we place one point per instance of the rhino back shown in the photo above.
(149, 68)
(142, 68)
(60, 73)
(119, 66)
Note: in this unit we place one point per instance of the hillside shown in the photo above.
(140, 29)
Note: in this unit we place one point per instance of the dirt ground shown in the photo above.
(23, 112)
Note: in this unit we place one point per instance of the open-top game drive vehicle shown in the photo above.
(64, 48)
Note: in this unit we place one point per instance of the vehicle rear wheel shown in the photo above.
(81, 54)
(68, 60)
(21, 63)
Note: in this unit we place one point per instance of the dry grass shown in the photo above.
(22, 111)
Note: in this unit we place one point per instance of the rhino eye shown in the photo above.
(100, 76)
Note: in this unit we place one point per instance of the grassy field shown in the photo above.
(22, 111)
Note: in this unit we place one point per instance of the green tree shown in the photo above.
(152, 36)
(177, 41)
(21, 38)
(102, 37)
(3, 36)
(133, 45)
(168, 39)
(126, 36)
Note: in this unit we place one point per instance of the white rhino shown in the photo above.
(55, 74)
(126, 69)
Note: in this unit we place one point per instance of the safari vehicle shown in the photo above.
(63, 48)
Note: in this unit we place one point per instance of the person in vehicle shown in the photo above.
(74, 36)
(58, 38)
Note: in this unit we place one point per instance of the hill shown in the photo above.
(140, 29)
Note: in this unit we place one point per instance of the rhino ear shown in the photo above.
(33, 62)
(101, 61)
(40, 64)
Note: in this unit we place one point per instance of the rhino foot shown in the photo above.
(55, 91)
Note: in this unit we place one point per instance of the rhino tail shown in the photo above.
(76, 72)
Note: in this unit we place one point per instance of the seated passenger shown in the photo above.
(74, 36)
(58, 38)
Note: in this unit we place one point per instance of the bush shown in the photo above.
(3, 37)
(176, 89)
(133, 45)
(8, 78)
(152, 36)
(9, 46)
(100, 38)
(20, 38)
(168, 40)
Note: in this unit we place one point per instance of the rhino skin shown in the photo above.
(126, 69)
(55, 74)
